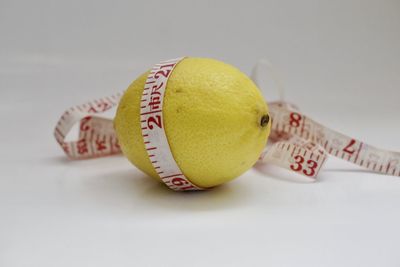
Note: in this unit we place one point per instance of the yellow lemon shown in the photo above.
(215, 119)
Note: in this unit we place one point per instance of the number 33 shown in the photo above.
(298, 166)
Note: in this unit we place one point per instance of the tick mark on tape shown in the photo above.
(150, 112)
(60, 133)
(169, 176)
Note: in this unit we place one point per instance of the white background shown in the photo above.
(340, 62)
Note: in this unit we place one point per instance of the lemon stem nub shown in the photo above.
(264, 120)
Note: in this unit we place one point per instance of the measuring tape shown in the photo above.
(154, 137)
(296, 142)
(96, 136)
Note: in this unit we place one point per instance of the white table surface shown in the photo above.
(340, 63)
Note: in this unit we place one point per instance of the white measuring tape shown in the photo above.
(297, 143)
(151, 118)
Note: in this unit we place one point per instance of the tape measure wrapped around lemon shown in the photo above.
(195, 123)
(215, 120)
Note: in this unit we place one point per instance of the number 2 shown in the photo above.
(154, 121)
(164, 73)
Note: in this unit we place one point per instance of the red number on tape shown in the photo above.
(295, 119)
(81, 146)
(156, 120)
(182, 182)
(311, 166)
(349, 148)
(299, 161)
(84, 127)
(179, 181)
(155, 88)
(100, 145)
(164, 73)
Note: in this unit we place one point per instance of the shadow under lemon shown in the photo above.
(133, 185)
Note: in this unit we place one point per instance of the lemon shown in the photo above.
(215, 119)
